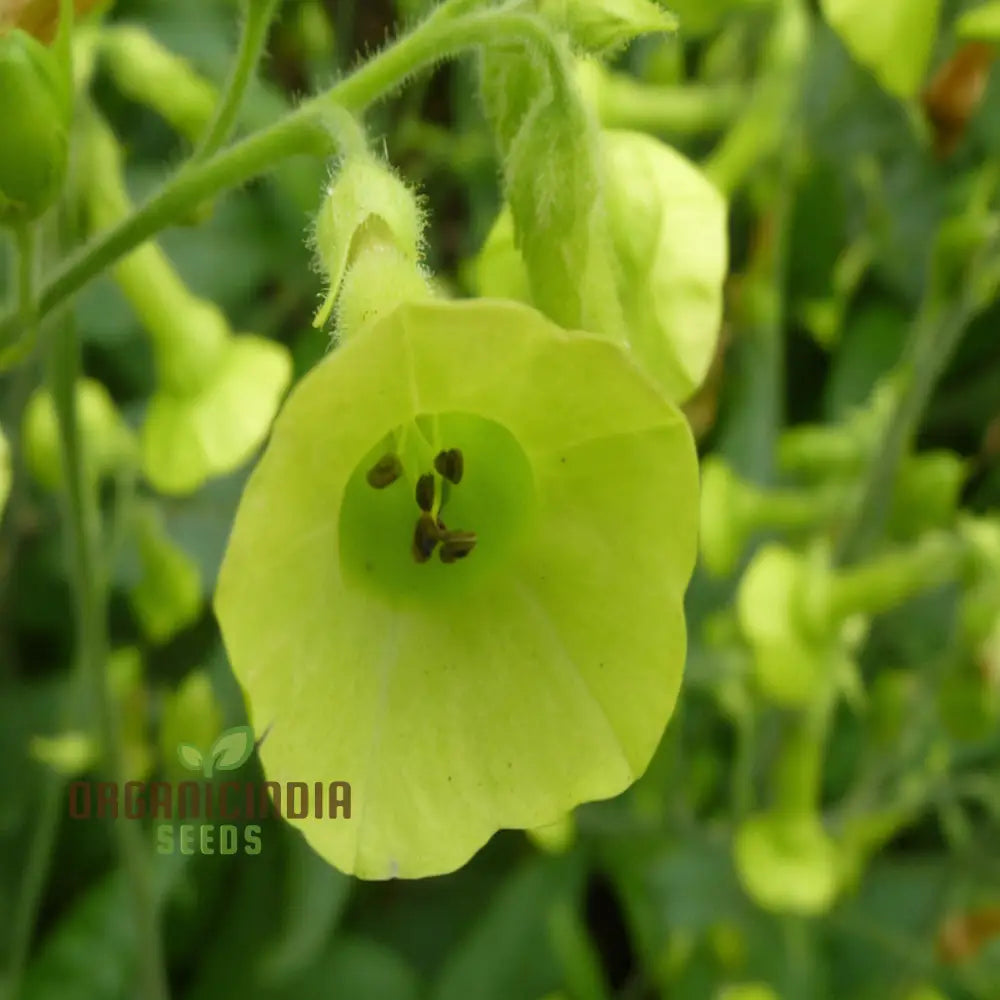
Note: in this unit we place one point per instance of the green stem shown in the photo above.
(774, 104)
(24, 236)
(40, 853)
(933, 340)
(302, 131)
(90, 594)
(259, 15)
(794, 510)
(799, 771)
(623, 102)
(887, 581)
(753, 411)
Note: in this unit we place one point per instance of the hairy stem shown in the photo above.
(257, 23)
(303, 131)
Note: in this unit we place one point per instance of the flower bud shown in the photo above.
(787, 863)
(34, 127)
(380, 278)
(167, 597)
(366, 203)
(926, 493)
(106, 441)
(732, 510)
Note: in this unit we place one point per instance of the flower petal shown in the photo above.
(502, 692)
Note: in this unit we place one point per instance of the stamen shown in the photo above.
(425, 538)
(425, 492)
(450, 464)
(384, 472)
(456, 545)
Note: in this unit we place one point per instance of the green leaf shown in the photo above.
(499, 691)
(190, 756)
(316, 896)
(91, 952)
(893, 38)
(980, 23)
(549, 145)
(509, 952)
(232, 749)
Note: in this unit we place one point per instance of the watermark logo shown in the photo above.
(230, 751)
(184, 812)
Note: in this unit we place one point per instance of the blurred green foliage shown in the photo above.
(833, 220)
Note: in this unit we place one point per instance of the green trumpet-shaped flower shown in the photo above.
(217, 392)
(667, 225)
(455, 580)
(107, 442)
(787, 862)
(151, 74)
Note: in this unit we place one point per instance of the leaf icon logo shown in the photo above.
(190, 756)
(231, 750)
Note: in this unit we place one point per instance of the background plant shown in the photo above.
(821, 818)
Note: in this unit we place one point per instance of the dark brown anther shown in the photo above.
(456, 545)
(425, 492)
(425, 538)
(450, 464)
(384, 472)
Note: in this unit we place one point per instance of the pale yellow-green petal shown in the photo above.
(511, 690)
(189, 439)
(669, 227)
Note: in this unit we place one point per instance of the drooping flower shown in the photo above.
(455, 580)
(106, 442)
(217, 391)
(667, 225)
